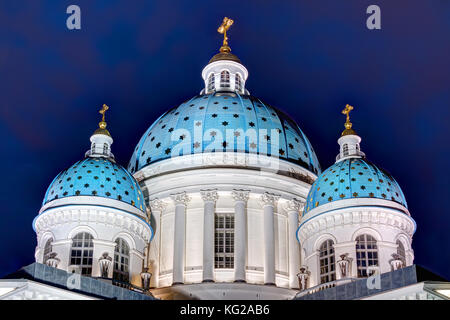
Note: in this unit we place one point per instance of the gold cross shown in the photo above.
(226, 24)
(103, 111)
(346, 111)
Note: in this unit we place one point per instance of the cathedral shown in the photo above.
(224, 198)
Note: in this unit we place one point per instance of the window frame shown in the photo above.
(366, 256)
(327, 270)
(48, 248)
(83, 243)
(225, 79)
(401, 251)
(121, 263)
(224, 231)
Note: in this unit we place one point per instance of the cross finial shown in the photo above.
(102, 124)
(226, 24)
(346, 111)
(348, 125)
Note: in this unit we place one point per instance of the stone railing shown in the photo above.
(324, 286)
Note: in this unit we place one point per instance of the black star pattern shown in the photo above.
(186, 118)
(225, 123)
(214, 115)
(167, 151)
(235, 115)
(251, 124)
(281, 151)
(170, 130)
(291, 146)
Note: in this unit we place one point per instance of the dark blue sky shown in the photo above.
(308, 58)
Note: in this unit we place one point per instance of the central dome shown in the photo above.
(217, 122)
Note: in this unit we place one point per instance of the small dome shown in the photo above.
(99, 177)
(353, 178)
(225, 56)
(214, 114)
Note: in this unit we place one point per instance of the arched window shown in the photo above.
(327, 262)
(366, 254)
(401, 252)
(92, 148)
(81, 252)
(345, 149)
(47, 250)
(211, 82)
(105, 149)
(121, 261)
(238, 82)
(224, 79)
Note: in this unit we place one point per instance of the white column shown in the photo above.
(62, 248)
(240, 231)
(293, 207)
(347, 248)
(135, 267)
(209, 197)
(269, 202)
(181, 199)
(157, 207)
(101, 247)
(385, 251)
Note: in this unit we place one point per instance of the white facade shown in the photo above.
(275, 249)
(265, 205)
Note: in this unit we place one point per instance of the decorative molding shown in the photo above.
(327, 222)
(210, 195)
(294, 205)
(269, 199)
(240, 195)
(180, 198)
(85, 217)
(157, 205)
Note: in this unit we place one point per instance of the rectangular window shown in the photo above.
(224, 240)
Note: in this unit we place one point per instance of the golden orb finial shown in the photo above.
(348, 125)
(226, 24)
(102, 124)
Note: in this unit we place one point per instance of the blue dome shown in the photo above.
(353, 178)
(98, 177)
(212, 115)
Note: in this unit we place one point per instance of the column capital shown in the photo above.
(294, 205)
(157, 205)
(180, 198)
(240, 195)
(269, 199)
(209, 195)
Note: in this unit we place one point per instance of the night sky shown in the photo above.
(308, 58)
